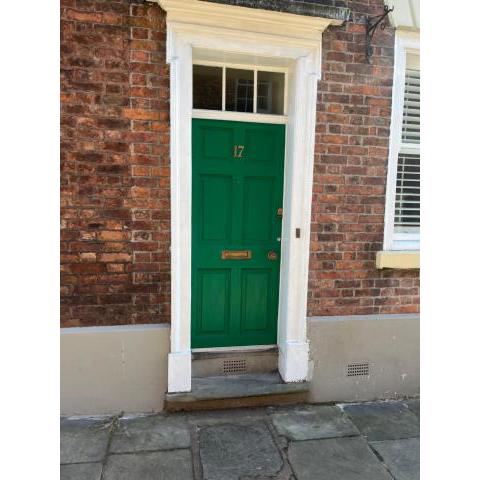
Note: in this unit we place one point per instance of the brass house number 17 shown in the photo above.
(238, 151)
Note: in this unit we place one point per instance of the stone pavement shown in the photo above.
(364, 441)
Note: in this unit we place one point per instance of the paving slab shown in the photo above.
(153, 432)
(233, 452)
(402, 457)
(84, 440)
(81, 471)
(169, 465)
(414, 406)
(384, 420)
(347, 458)
(317, 422)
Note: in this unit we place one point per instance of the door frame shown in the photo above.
(193, 34)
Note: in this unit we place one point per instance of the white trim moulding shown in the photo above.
(239, 116)
(295, 41)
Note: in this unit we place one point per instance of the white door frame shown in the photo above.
(284, 39)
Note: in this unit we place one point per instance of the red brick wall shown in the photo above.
(352, 135)
(115, 219)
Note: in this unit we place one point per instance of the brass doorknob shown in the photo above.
(272, 255)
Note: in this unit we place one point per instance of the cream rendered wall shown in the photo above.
(124, 368)
(390, 343)
(113, 369)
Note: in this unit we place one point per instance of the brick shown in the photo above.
(140, 114)
(87, 268)
(115, 171)
(84, 16)
(113, 235)
(354, 97)
(115, 257)
(103, 122)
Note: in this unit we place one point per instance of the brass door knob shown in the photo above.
(272, 255)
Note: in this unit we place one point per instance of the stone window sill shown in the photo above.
(398, 259)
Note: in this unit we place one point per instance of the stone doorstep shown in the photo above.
(237, 391)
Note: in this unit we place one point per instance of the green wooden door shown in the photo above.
(237, 191)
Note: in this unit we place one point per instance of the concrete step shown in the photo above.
(234, 362)
(251, 390)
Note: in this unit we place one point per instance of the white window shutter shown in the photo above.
(411, 108)
(407, 198)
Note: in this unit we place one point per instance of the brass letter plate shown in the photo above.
(236, 254)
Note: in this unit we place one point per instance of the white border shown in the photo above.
(239, 116)
(404, 41)
(191, 26)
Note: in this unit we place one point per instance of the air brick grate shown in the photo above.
(358, 369)
(234, 367)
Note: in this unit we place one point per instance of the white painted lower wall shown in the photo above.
(124, 368)
(389, 343)
(113, 369)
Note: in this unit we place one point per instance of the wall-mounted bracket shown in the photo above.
(371, 24)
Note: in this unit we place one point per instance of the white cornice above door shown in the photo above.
(207, 14)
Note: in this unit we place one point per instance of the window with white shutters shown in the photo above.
(407, 194)
(402, 212)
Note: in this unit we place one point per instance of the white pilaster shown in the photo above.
(179, 360)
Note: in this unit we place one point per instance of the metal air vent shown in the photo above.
(234, 367)
(358, 369)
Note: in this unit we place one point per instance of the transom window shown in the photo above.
(231, 89)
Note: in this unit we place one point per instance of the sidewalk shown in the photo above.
(366, 441)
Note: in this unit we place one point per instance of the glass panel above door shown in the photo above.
(239, 90)
(231, 89)
(207, 87)
(270, 92)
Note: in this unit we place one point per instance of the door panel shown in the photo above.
(214, 301)
(216, 143)
(255, 299)
(258, 221)
(237, 187)
(216, 208)
(260, 143)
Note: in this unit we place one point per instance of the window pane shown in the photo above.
(239, 90)
(270, 92)
(407, 200)
(207, 87)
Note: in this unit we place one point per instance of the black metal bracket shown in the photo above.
(371, 24)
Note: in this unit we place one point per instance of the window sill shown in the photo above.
(399, 259)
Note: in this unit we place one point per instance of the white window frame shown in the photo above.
(270, 117)
(405, 42)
